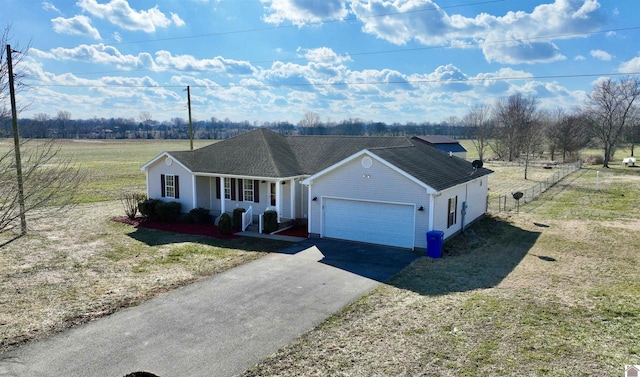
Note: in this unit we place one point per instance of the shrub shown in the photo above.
(199, 216)
(270, 221)
(224, 224)
(593, 160)
(168, 211)
(237, 217)
(130, 202)
(147, 208)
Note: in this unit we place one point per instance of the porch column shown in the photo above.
(222, 200)
(194, 192)
(279, 199)
(293, 199)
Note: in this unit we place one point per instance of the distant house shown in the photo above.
(445, 144)
(383, 190)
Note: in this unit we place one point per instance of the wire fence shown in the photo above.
(508, 202)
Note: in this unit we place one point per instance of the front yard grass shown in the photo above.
(81, 266)
(553, 291)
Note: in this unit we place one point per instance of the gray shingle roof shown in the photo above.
(264, 153)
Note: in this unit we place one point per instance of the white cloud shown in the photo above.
(601, 55)
(119, 13)
(516, 37)
(48, 6)
(78, 25)
(631, 66)
(579, 58)
(324, 55)
(301, 12)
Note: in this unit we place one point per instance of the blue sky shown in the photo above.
(274, 60)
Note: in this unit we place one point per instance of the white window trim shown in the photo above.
(246, 191)
(227, 186)
(170, 189)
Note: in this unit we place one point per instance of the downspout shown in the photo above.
(432, 210)
(463, 210)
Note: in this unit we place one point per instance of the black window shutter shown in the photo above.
(240, 193)
(162, 187)
(176, 188)
(256, 191)
(233, 188)
(218, 187)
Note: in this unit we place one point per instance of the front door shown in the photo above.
(272, 194)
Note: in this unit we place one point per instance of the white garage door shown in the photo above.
(373, 222)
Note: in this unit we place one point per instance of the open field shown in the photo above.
(110, 166)
(552, 292)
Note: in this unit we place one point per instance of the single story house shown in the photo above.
(445, 144)
(383, 190)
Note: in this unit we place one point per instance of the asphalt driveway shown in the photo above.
(220, 326)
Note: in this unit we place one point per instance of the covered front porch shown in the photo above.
(224, 193)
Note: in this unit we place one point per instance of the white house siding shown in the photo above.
(377, 183)
(474, 193)
(203, 189)
(154, 189)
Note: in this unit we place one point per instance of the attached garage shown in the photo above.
(382, 223)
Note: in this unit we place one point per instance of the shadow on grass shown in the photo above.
(480, 259)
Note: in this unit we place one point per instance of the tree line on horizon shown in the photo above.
(61, 126)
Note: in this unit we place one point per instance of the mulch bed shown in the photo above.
(207, 230)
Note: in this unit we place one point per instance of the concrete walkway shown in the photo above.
(220, 326)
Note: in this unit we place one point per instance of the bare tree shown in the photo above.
(610, 111)
(310, 119)
(45, 182)
(566, 133)
(479, 119)
(519, 130)
(63, 119)
(633, 136)
(50, 184)
(19, 54)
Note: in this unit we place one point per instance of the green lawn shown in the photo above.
(554, 291)
(109, 166)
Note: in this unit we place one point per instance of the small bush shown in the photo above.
(168, 211)
(593, 160)
(199, 216)
(130, 201)
(237, 217)
(270, 221)
(224, 224)
(147, 208)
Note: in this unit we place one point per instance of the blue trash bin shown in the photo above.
(434, 243)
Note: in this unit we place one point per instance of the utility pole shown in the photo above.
(190, 124)
(16, 142)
